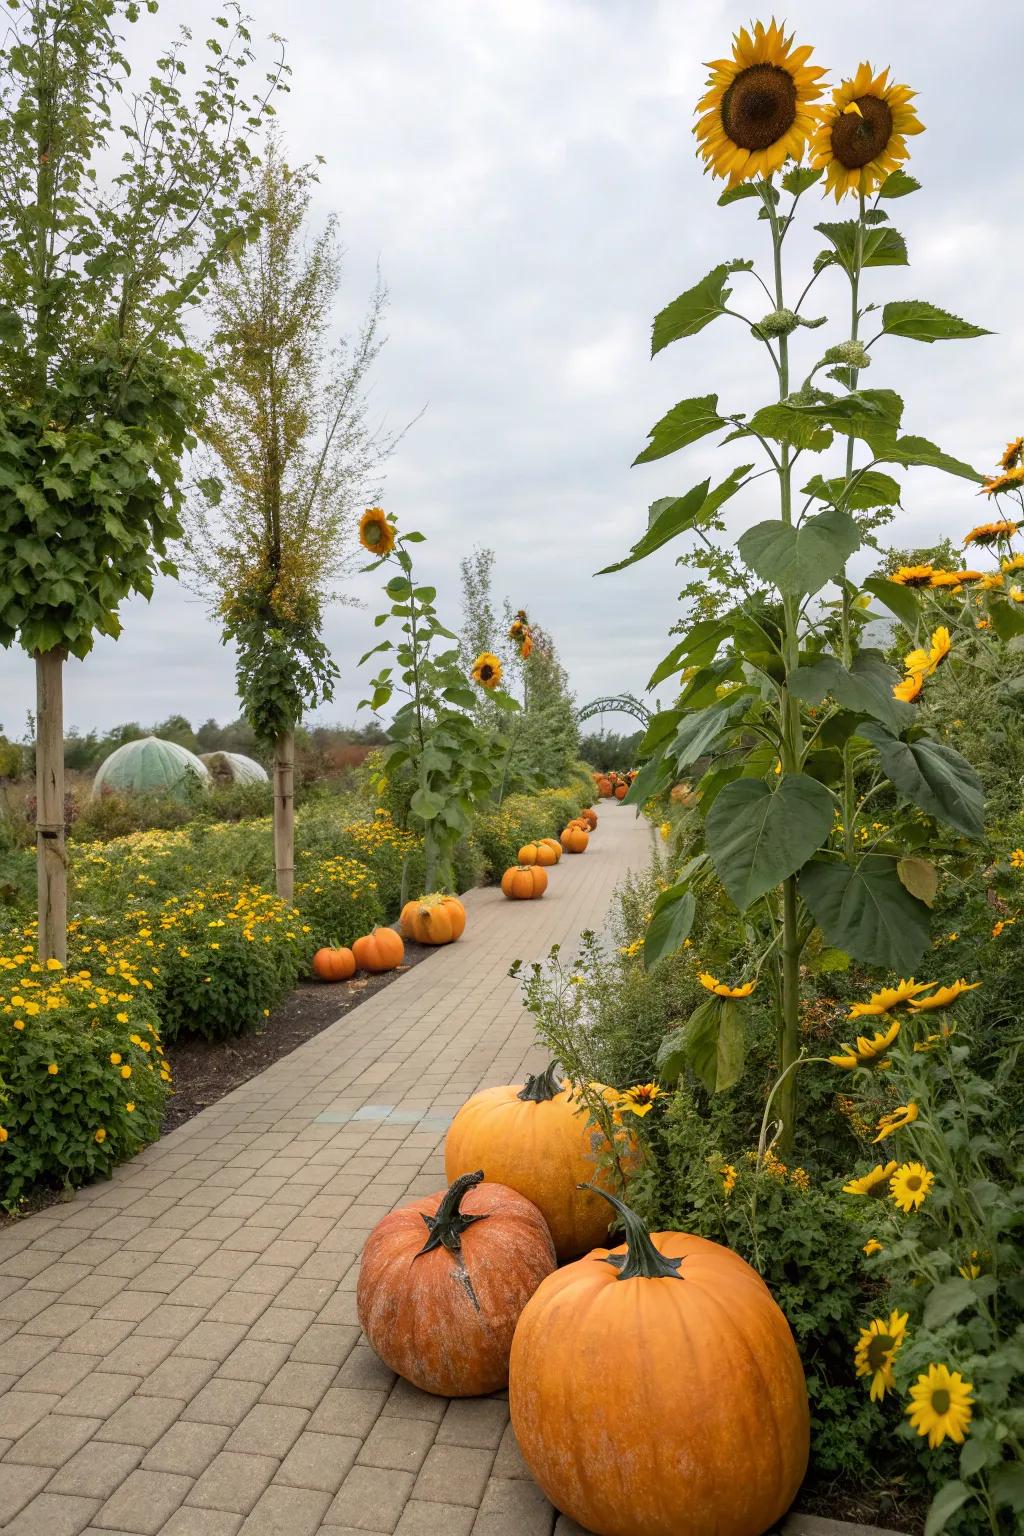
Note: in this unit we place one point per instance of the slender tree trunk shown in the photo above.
(284, 814)
(51, 861)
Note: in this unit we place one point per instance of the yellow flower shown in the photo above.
(941, 1405)
(875, 1184)
(1004, 922)
(721, 989)
(1014, 563)
(872, 1246)
(126, 1072)
(914, 576)
(887, 998)
(757, 110)
(910, 689)
(19, 1023)
(3, 1134)
(53, 1069)
(130, 1108)
(944, 996)
(991, 533)
(863, 132)
(666, 831)
(801, 1178)
(909, 1186)
(100, 1136)
(728, 1178)
(866, 1052)
(487, 670)
(1013, 455)
(875, 1350)
(376, 534)
(895, 1120)
(639, 1100)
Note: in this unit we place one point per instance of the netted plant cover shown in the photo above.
(150, 766)
(234, 767)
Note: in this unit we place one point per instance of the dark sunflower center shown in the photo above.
(856, 140)
(759, 107)
(914, 1182)
(373, 533)
(486, 672)
(878, 1351)
(940, 1400)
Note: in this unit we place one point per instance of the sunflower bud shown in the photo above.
(853, 354)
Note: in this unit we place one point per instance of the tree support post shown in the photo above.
(51, 859)
(284, 814)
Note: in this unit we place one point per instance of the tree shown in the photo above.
(269, 532)
(99, 394)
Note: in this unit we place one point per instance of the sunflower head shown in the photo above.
(910, 689)
(909, 1186)
(1013, 455)
(487, 670)
(991, 533)
(876, 1347)
(913, 575)
(862, 134)
(757, 110)
(376, 534)
(874, 1184)
(940, 1405)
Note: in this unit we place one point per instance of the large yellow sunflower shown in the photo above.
(940, 1405)
(866, 1052)
(1012, 456)
(913, 575)
(991, 533)
(862, 135)
(487, 670)
(375, 532)
(757, 110)
(874, 1184)
(1009, 480)
(722, 988)
(876, 1347)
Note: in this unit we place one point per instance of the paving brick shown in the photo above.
(233, 1482)
(20, 1410)
(407, 1402)
(17, 1486)
(370, 1499)
(319, 1461)
(58, 1372)
(364, 1369)
(141, 1421)
(509, 1460)
(454, 1474)
(53, 1441)
(99, 1392)
(190, 1521)
(326, 1344)
(287, 1512)
(346, 1411)
(422, 1519)
(25, 1351)
(254, 1360)
(223, 1402)
(53, 1514)
(269, 1429)
(97, 1469)
(513, 1507)
(399, 1443)
(187, 1448)
(283, 1325)
(478, 1421)
(143, 1503)
(138, 1355)
(300, 1385)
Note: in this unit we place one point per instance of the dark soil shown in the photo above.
(886, 1505)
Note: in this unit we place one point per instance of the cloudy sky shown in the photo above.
(524, 172)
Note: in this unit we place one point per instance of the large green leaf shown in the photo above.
(866, 688)
(898, 184)
(712, 1042)
(651, 780)
(674, 515)
(890, 449)
(950, 1497)
(869, 488)
(880, 247)
(757, 836)
(685, 423)
(866, 911)
(697, 307)
(670, 923)
(799, 561)
(918, 321)
(784, 423)
(934, 777)
(699, 731)
(1007, 618)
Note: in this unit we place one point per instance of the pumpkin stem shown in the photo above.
(448, 1224)
(641, 1259)
(544, 1086)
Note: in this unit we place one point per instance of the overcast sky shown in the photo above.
(524, 172)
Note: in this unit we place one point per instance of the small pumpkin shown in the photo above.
(442, 1311)
(535, 1137)
(604, 787)
(574, 839)
(334, 964)
(381, 950)
(589, 815)
(554, 845)
(621, 791)
(617, 1325)
(434, 919)
(524, 882)
(537, 853)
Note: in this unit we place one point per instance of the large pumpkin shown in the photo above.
(536, 1138)
(381, 950)
(537, 853)
(574, 840)
(621, 791)
(655, 1390)
(554, 845)
(442, 1283)
(604, 787)
(589, 815)
(334, 964)
(524, 882)
(435, 919)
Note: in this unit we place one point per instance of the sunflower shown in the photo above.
(909, 1185)
(487, 670)
(914, 576)
(1012, 480)
(895, 1120)
(941, 1406)
(874, 1184)
(1012, 456)
(720, 989)
(1015, 563)
(639, 1100)
(527, 646)
(991, 533)
(940, 647)
(965, 578)
(757, 110)
(866, 1052)
(875, 1350)
(376, 534)
(871, 1247)
(887, 998)
(945, 581)
(910, 689)
(944, 996)
(862, 135)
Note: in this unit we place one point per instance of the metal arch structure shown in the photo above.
(620, 703)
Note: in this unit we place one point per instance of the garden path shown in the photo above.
(179, 1351)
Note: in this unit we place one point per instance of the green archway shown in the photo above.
(619, 703)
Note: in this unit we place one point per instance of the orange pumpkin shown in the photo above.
(524, 882)
(334, 964)
(535, 1138)
(537, 853)
(381, 950)
(621, 791)
(589, 815)
(435, 919)
(604, 786)
(441, 1312)
(553, 844)
(574, 839)
(622, 1326)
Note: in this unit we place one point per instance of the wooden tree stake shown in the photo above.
(51, 860)
(284, 814)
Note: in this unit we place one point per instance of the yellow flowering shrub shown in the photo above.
(337, 898)
(83, 1079)
(521, 819)
(386, 850)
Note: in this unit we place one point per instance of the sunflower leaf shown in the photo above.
(867, 912)
(898, 184)
(918, 321)
(869, 488)
(673, 515)
(684, 424)
(800, 178)
(899, 600)
(713, 1042)
(881, 246)
(799, 561)
(699, 730)
(757, 836)
(866, 688)
(785, 423)
(670, 923)
(745, 189)
(920, 877)
(1007, 619)
(890, 449)
(697, 307)
(932, 776)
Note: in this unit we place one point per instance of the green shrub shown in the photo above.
(390, 855)
(521, 819)
(337, 898)
(83, 1081)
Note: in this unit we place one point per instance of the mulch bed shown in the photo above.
(887, 1505)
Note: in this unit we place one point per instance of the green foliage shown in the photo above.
(522, 819)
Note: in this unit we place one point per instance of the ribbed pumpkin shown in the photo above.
(381, 950)
(536, 1139)
(442, 1283)
(434, 919)
(574, 839)
(604, 787)
(537, 853)
(589, 815)
(524, 882)
(621, 791)
(554, 845)
(655, 1390)
(334, 964)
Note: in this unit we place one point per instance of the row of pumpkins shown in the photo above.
(612, 785)
(654, 1387)
(527, 879)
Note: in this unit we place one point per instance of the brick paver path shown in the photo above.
(179, 1352)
